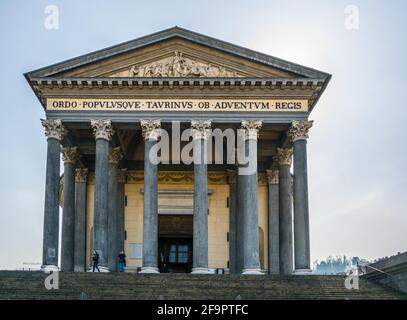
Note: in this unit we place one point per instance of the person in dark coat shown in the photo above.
(95, 260)
(122, 261)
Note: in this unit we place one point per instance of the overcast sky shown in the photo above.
(357, 147)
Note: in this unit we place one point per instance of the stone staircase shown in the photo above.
(30, 285)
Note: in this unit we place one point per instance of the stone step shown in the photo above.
(30, 285)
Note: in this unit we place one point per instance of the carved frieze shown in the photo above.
(176, 66)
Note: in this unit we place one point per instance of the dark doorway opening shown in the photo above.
(175, 243)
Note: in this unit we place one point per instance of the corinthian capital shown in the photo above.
(81, 174)
(151, 129)
(299, 130)
(284, 156)
(272, 176)
(121, 178)
(115, 155)
(70, 154)
(54, 129)
(201, 129)
(231, 176)
(102, 129)
(250, 129)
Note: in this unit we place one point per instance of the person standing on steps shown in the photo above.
(122, 261)
(95, 260)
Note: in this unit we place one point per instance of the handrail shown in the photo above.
(369, 266)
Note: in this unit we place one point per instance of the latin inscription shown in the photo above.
(262, 105)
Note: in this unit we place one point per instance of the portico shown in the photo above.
(111, 115)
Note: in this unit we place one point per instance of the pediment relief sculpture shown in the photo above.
(176, 66)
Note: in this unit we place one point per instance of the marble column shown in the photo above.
(200, 134)
(239, 221)
(80, 219)
(121, 180)
(273, 222)
(283, 158)
(103, 132)
(250, 223)
(115, 155)
(55, 132)
(70, 156)
(298, 133)
(151, 130)
(232, 221)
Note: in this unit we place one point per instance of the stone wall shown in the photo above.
(395, 268)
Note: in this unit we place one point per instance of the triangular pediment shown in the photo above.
(176, 52)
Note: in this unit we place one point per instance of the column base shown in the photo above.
(149, 270)
(200, 270)
(49, 267)
(102, 269)
(252, 271)
(302, 272)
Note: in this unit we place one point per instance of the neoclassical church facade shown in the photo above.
(107, 111)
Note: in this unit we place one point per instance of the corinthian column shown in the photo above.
(115, 156)
(69, 155)
(80, 219)
(54, 131)
(151, 130)
(273, 222)
(283, 158)
(298, 133)
(103, 132)
(232, 221)
(251, 262)
(200, 134)
(121, 179)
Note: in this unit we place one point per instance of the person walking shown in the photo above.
(122, 261)
(95, 260)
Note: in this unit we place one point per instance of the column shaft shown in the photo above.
(200, 224)
(232, 222)
(68, 218)
(80, 220)
(51, 205)
(286, 224)
(273, 223)
(100, 222)
(120, 210)
(239, 223)
(301, 211)
(251, 261)
(112, 218)
(150, 215)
